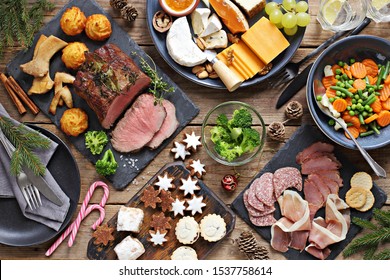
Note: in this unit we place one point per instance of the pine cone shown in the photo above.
(247, 244)
(129, 12)
(294, 110)
(276, 131)
(118, 4)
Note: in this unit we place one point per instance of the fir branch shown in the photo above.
(369, 253)
(383, 217)
(384, 255)
(364, 223)
(25, 142)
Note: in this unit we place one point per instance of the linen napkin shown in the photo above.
(49, 213)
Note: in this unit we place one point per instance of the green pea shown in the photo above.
(340, 63)
(345, 77)
(349, 107)
(371, 90)
(331, 122)
(353, 101)
(338, 71)
(351, 113)
(380, 87)
(367, 107)
(353, 106)
(350, 82)
(337, 77)
(319, 97)
(352, 61)
(360, 101)
(331, 100)
(365, 114)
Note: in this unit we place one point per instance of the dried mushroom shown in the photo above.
(162, 21)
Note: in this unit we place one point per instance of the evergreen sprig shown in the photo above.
(25, 142)
(370, 242)
(19, 23)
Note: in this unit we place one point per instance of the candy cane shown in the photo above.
(84, 211)
(74, 225)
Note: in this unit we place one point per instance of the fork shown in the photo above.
(290, 71)
(29, 191)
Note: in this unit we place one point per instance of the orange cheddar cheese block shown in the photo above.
(231, 15)
(245, 63)
(265, 40)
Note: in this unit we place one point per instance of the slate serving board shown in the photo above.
(130, 164)
(201, 246)
(302, 138)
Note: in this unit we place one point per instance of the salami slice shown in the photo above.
(286, 177)
(251, 211)
(253, 201)
(263, 221)
(264, 189)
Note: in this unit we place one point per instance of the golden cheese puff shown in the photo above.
(74, 121)
(73, 21)
(98, 27)
(73, 55)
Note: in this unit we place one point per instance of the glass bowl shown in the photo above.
(228, 109)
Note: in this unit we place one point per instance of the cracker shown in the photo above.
(370, 200)
(356, 197)
(361, 180)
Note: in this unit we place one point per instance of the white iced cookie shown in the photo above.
(212, 227)
(158, 237)
(180, 151)
(129, 249)
(184, 253)
(165, 182)
(196, 168)
(195, 204)
(187, 230)
(189, 186)
(178, 207)
(129, 219)
(192, 141)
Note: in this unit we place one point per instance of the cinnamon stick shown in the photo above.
(22, 95)
(12, 94)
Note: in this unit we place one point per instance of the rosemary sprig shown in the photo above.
(24, 141)
(158, 87)
(18, 23)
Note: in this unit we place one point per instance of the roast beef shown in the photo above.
(109, 81)
(168, 127)
(139, 124)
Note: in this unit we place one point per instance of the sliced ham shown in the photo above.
(264, 189)
(299, 239)
(316, 165)
(313, 196)
(168, 127)
(333, 175)
(321, 186)
(286, 177)
(318, 147)
(139, 124)
(332, 185)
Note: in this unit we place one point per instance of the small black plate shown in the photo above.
(302, 138)
(152, 6)
(15, 228)
(129, 164)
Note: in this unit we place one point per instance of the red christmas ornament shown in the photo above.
(229, 182)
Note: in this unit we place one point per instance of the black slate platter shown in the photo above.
(129, 164)
(302, 138)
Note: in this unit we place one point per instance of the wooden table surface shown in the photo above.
(263, 100)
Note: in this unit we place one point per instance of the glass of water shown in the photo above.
(378, 10)
(341, 15)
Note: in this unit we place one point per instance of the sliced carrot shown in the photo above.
(330, 93)
(329, 81)
(383, 118)
(362, 129)
(385, 92)
(371, 79)
(352, 90)
(386, 104)
(359, 84)
(371, 118)
(354, 131)
(355, 121)
(346, 117)
(348, 72)
(376, 106)
(349, 101)
(335, 67)
(387, 80)
(371, 66)
(340, 105)
(358, 70)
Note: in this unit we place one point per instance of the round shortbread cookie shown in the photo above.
(361, 180)
(212, 227)
(356, 197)
(184, 253)
(187, 230)
(370, 200)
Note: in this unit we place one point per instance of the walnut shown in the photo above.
(162, 21)
(230, 56)
(266, 69)
(233, 38)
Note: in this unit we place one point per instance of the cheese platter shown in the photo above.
(213, 36)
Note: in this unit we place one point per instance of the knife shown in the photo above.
(227, 76)
(38, 181)
(300, 80)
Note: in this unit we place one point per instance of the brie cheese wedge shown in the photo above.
(199, 19)
(180, 45)
(216, 40)
(213, 25)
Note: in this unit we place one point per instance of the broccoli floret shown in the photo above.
(241, 118)
(235, 133)
(251, 139)
(95, 141)
(219, 133)
(106, 165)
(228, 151)
(222, 120)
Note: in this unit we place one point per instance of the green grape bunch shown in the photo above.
(289, 15)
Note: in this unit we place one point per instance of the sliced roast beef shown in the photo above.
(333, 175)
(109, 81)
(316, 165)
(168, 127)
(317, 147)
(139, 124)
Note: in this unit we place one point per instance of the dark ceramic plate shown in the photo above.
(152, 6)
(358, 47)
(17, 230)
(129, 164)
(302, 138)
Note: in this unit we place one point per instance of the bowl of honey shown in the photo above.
(178, 8)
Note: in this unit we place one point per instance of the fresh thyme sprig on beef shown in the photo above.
(158, 87)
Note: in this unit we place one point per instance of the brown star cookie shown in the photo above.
(160, 222)
(166, 200)
(103, 235)
(150, 197)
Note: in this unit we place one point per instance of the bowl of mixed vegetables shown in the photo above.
(354, 75)
(233, 133)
